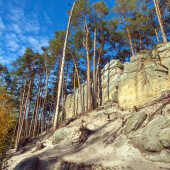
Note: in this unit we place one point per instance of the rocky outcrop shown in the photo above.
(164, 138)
(134, 122)
(133, 83)
(145, 76)
(31, 163)
(60, 135)
(154, 139)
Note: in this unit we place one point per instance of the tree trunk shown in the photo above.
(156, 35)
(94, 73)
(21, 109)
(158, 13)
(61, 73)
(74, 94)
(23, 117)
(140, 40)
(35, 105)
(78, 80)
(88, 106)
(130, 39)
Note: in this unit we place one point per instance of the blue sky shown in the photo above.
(30, 23)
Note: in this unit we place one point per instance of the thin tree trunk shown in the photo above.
(36, 116)
(56, 119)
(78, 80)
(74, 107)
(140, 40)
(94, 73)
(23, 117)
(156, 35)
(48, 125)
(21, 109)
(27, 119)
(130, 39)
(160, 20)
(88, 106)
(45, 99)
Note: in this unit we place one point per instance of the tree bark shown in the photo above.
(21, 109)
(94, 73)
(158, 13)
(156, 35)
(74, 107)
(130, 39)
(78, 80)
(56, 118)
(23, 117)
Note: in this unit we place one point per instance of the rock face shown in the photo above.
(135, 121)
(60, 135)
(31, 163)
(164, 138)
(147, 75)
(133, 83)
(154, 139)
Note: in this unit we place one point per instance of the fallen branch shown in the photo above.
(154, 102)
(159, 109)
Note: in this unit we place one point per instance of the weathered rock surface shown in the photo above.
(164, 138)
(134, 122)
(60, 135)
(149, 137)
(108, 147)
(31, 163)
(133, 83)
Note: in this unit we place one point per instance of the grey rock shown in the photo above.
(150, 135)
(163, 46)
(60, 135)
(163, 156)
(31, 163)
(135, 121)
(120, 141)
(141, 56)
(164, 138)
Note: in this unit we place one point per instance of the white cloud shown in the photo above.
(12, 45)
(38, 42)
(15, 28)
(21, 30)
(32, 26)
(16, 14)
(21, 51)
(4, 61)
(47, 19)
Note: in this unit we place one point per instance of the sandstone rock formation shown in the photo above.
(133, 83)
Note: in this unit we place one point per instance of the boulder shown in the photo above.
(31, 163)
(135, 121)
(151, 133)
(164, 138)
(60, 135)
(163, 156)
(148, 140)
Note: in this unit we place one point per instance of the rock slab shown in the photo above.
(31, 163)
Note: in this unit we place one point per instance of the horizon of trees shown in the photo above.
(93, 40)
